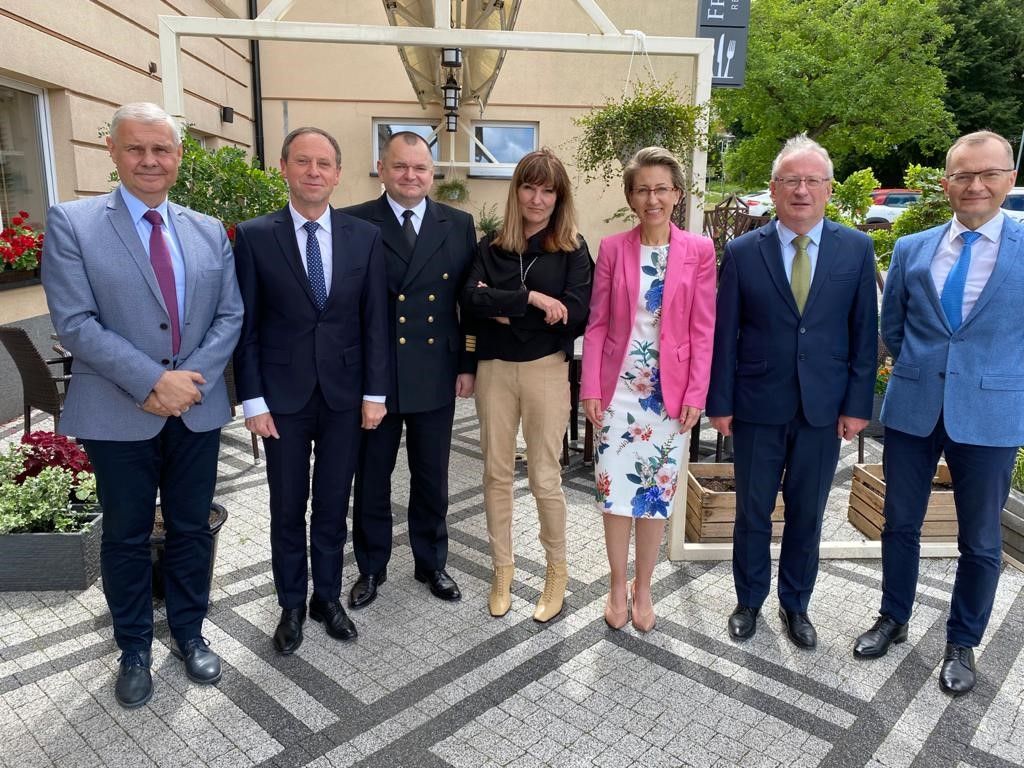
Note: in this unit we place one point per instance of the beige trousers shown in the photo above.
(536, 393)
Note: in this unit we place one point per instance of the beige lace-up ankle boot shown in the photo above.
(555, 581)
(500, 599)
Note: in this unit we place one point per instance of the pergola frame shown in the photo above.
(269, 26)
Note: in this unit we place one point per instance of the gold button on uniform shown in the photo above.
(401, 339)
(430, 341)
(444, 276)
(430, 318)
(431, 297)
(401, 297)
(401, 319)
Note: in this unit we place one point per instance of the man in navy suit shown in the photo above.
(142, 292)
(792, 374)
(311, 368)
(428, 248)
(951, 317)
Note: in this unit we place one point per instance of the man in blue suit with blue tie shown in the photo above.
(792, 374)
(951, 317)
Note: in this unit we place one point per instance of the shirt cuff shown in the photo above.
(254, 407)
(375, 398)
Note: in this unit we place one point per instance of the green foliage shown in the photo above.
(41, 503)
(852, 198)
(1017, 480)
(860, 77)
(222, 183)
(453, 190)
(654, 115)
(488, 221)
(930, 211)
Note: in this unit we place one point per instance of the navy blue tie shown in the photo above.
(953, 291)
(315, 265)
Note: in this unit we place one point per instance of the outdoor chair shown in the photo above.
(229, 382)
(41, 387)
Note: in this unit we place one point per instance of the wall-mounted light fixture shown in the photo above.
(227, 114)
(451, 57)
(451, 93)
(451, 121)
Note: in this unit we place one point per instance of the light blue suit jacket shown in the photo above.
(974, 376)
(108, 311)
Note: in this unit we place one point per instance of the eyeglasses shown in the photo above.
(793, 182)
(656, 191)
(966, 178)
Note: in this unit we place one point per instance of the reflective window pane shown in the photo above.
(505, 143)
(22, 179)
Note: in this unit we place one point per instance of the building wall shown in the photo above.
(89, 57)
(342, 88)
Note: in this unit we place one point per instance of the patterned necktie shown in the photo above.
(952, 298)
(160, 258)
(408, 229)
(315, 266)
(800, 279)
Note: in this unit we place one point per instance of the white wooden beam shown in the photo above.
(442, 14)
(828, 550)
(170, 69)
(276, 10)
(598, 16)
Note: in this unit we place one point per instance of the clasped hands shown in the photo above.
(174, 393)
(554, 310)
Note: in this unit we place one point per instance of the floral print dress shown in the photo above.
(640, 448)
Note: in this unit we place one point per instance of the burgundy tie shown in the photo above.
(160, 258)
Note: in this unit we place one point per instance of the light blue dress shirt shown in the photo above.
(786, 237)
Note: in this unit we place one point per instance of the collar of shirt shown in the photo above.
(786, 237)
(417, 212)
(991, 230)
(298, 220)
(137, 209)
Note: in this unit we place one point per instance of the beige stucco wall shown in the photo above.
(341, 88)
(91, 57)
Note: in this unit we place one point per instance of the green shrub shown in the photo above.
(930, 211)
(1017, 480)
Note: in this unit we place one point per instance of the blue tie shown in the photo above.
(953, 291)
(315, 266)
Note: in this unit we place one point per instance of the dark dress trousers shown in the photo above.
(786, 378)
(428, 351)
(312, 367)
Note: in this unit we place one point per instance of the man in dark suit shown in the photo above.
(428, 248)
(311, 368)
(142, 292)
(951, 318)
(792, 374)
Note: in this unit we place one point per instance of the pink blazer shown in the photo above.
(687, 318)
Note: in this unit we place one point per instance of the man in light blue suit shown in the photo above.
(143, 294)
(951, 316)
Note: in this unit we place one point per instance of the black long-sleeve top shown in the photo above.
(509, 277)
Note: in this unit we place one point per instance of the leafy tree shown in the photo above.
(852, 198)
(859, 76)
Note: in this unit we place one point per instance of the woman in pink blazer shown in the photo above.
(646, 365)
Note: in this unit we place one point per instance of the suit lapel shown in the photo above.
(771, 252)
(284, 232)
(121, 220)
(390, 232)
(188, 239)
(922, 266)
(433, 232)
(630, 271)
(674, 275)
(340, 235)
(828, 253)
(1007, 259)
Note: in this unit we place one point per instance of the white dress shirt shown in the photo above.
(786, 237)
(983, 258)
(417, 212)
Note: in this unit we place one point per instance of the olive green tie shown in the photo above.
(800, 281)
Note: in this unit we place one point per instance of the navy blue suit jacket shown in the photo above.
(288, 346)
(768, 359)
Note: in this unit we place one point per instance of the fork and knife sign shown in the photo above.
(730, 53)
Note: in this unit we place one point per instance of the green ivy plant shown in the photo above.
(930, 211)
(44, 502)
(453, 190)
(1017, 480)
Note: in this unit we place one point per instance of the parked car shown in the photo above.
(1013, 205)
(758, 203)
(895, 198)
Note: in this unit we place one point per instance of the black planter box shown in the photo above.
(37, 562)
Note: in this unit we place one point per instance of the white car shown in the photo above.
(758, 203)
(879, 213)
(1013, 205)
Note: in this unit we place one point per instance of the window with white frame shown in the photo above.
(384, 128)
(495, 147)
(25, 165)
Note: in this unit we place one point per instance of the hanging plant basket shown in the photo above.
(452, 190)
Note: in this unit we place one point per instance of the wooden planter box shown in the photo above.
(1013, 530)
(711, 515)
(867, 498)
(37, 562)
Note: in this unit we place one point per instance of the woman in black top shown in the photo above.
(529, 290)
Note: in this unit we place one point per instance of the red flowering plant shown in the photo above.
(43, 480)
(20, 245)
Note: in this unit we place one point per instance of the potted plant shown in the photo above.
(49, 517)
(874, 427)
(488, 221)
(20, 249)
(711, 504)
(453, 190)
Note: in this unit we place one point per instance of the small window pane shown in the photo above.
(22, 179)
(385, 129)
(506, 142)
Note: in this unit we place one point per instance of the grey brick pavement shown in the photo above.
(434, 685)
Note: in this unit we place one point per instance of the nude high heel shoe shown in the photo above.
(641, 622)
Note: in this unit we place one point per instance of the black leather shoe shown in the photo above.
(957, 674)
(799, 628)
(743, 622)
(876, 641)
(364, 591)
(201, 664)
(288, 635)
(441, 584)
(335, 620)
(134, 685)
